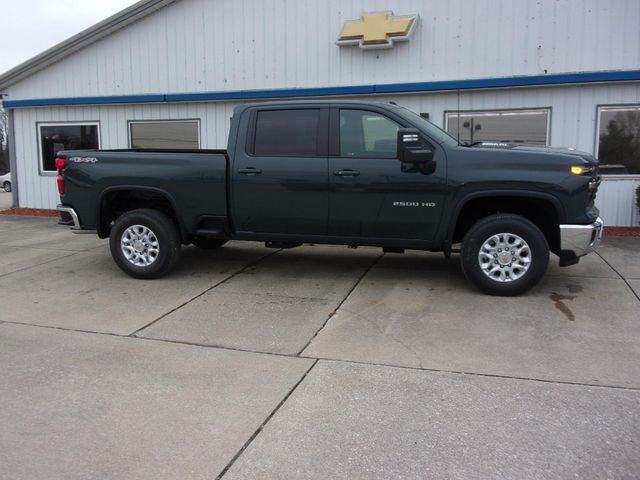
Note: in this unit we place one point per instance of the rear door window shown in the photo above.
(292, 133)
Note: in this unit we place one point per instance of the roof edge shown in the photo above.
(547, 80)
(86, 37)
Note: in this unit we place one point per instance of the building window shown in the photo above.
(367, 135)
(507, 126)
(165, 134)
(619, 139)
(287, 132)
(66, 136)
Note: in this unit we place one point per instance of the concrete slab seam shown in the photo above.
(224, 280)
(474, 374)
(261, 427)
(40, 264)
(621, 277)
(324, 324)
(329, 359)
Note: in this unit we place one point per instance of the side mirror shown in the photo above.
(410, 149)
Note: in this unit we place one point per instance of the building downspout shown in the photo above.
(13, 164)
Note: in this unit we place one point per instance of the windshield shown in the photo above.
(426, 126)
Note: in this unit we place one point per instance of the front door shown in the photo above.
(372, 194)
(279, 175)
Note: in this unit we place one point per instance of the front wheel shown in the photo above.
(145, 243)
(504, 254)
(7, 186)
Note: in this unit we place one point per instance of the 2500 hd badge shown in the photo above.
(414, 204)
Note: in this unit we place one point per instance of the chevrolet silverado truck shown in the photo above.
(340, 172)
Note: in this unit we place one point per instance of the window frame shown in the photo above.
(52, 173)
(130, 123)
(596, 146)
(549, 111)
(322, 132)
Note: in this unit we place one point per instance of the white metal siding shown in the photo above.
(616, 200)
(216, 45)
(573, 123)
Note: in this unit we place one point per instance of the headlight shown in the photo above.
(582, 169)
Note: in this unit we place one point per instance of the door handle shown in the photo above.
(249, 171)
(346, 173)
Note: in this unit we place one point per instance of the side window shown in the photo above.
(287, 132)
(66, 136)
(367, 135)
(180, 134)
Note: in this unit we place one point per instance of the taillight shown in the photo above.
(61, 164)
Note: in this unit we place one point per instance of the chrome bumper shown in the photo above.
(72, 213)
(581, 239)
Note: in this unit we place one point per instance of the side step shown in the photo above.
(281, 244)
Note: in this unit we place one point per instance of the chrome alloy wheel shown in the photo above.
(139, 245)
(504, 257)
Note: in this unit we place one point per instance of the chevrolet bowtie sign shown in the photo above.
(377, 30)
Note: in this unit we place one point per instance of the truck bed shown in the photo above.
(193, 180)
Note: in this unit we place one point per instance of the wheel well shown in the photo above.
(541, 212)
(115, 203)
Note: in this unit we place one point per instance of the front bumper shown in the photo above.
(581, 239)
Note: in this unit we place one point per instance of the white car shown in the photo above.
(5, 182)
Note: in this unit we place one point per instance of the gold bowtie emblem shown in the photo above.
(377, 30)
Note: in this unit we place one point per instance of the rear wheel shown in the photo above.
(504, 254)
(208, 243)
(145, 243)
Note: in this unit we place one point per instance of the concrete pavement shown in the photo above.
(406, 424)
(5, 200)
(78, 405)
(316, 362)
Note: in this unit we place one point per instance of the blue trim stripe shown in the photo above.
(474, 84)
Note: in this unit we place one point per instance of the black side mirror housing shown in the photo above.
(410, 148)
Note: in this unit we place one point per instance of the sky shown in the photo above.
(29, 27)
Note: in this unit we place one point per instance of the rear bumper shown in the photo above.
(68, 217)
(581, 239)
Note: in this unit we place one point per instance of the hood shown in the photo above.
(586, 156)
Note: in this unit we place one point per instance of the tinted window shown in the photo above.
(367, 135)
(287, 132)
(524, 126)
(619, 140)
(54, 138)
(168, 135)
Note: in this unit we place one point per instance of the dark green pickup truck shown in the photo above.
(340, 172)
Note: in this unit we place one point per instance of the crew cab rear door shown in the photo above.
(279, 174)
(372, 194)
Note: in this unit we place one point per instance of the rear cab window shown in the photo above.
(290, 133)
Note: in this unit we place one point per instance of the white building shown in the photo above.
(168, 73)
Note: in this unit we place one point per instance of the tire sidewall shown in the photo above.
(165, 232)
(514, 224)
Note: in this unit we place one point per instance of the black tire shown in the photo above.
(498, 283)
(208, 243)
(167, 240)
(7, 186)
